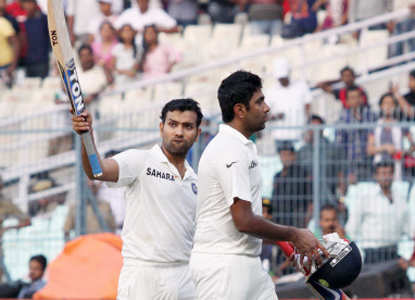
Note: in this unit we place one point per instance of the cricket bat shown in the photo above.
(320, 291)
(62, 49)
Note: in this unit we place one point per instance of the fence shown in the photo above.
(322, 164)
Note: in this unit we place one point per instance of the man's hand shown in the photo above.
(307, 245)
(82, 123)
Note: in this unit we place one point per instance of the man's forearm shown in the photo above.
(85, 161)
(264, 229)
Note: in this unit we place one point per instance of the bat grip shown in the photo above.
(286, 248)
(92, 156)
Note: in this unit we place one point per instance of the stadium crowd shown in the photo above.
(118, 42)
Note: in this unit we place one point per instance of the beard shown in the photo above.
(178, 149)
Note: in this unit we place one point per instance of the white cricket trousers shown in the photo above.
(230, 277)
(147, 281)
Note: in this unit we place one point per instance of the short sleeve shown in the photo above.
(234, 173)
(6, 28)
(130, 165)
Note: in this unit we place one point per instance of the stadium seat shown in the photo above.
(52, 83)
(373, 57)
(167, 91)
(193, 33)
(31, 83)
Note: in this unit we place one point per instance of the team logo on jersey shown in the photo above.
(194, 188)
(159, 174)
(253, 164)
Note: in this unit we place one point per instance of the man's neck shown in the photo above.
(176, 160)
(239, 127)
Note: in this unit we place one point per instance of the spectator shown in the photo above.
(379, 217)
(400, 27)
(92, 222)
(386, 141)
(104, 45)
(406, 102)
(142, 15)
(303, 19)
(80, 13)
(16, 11)
(9, 209)
(126, 56)
(38, 44)
(45, 205)
(183, 11)
(354, 141)
(37, 267)
(331, 160)
(105, 6)
(329, 222)
(224, 11)
(292, 190)
(289, 102)
(93, 78)
(347, 77)
(337, 13)
(9, 53)
(268, 248)
(157, 58)
(266, 16)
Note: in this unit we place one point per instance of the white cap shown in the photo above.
(106, 1)
(281, 68)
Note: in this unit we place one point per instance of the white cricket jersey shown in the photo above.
(161, 207)
(228, 169)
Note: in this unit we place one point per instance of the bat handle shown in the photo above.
(286, 248)
(92, 156)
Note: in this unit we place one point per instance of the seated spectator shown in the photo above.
(92, 221)
(9, 51)
(386, 142)
(38, 44)
(303, 19)
(407, 101)
(266, 16)
(289, 103)
(347, 77)
(332, 163)
(143, 15)
(157, 59)
(292, 193)
(354, 141)
(126, 56)
(104, 45)
(105, 6)
(37, 267)
(329, 222)
(93, 78)
(9, 210)
(45, 205)
(379, 217)
(337, 13)
(183, 11)
(224, 11)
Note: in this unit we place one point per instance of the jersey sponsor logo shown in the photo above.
(230, 165)
(253, 164)
(159, 174)
(194, 188)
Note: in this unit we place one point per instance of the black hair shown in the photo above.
(385, 163)
(40, 259)
(382, 98)
(316, 118)
(238, 87)
(412, 73)
(285, 146)
(328, 207)
(146, 46)
(135, 50)
(352, 88)
(347, 68)
(182, 105)
(83, 47)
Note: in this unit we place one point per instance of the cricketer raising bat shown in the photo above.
(317, 288)
(62, 49)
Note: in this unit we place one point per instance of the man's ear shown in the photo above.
(199, 131)
(239, 110)
(161, 126)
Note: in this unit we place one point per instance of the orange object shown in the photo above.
(87, 268)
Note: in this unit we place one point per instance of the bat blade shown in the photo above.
(62, 50)
(317, 289)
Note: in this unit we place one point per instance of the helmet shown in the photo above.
(341, 269)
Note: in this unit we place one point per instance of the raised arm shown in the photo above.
(110, 170)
